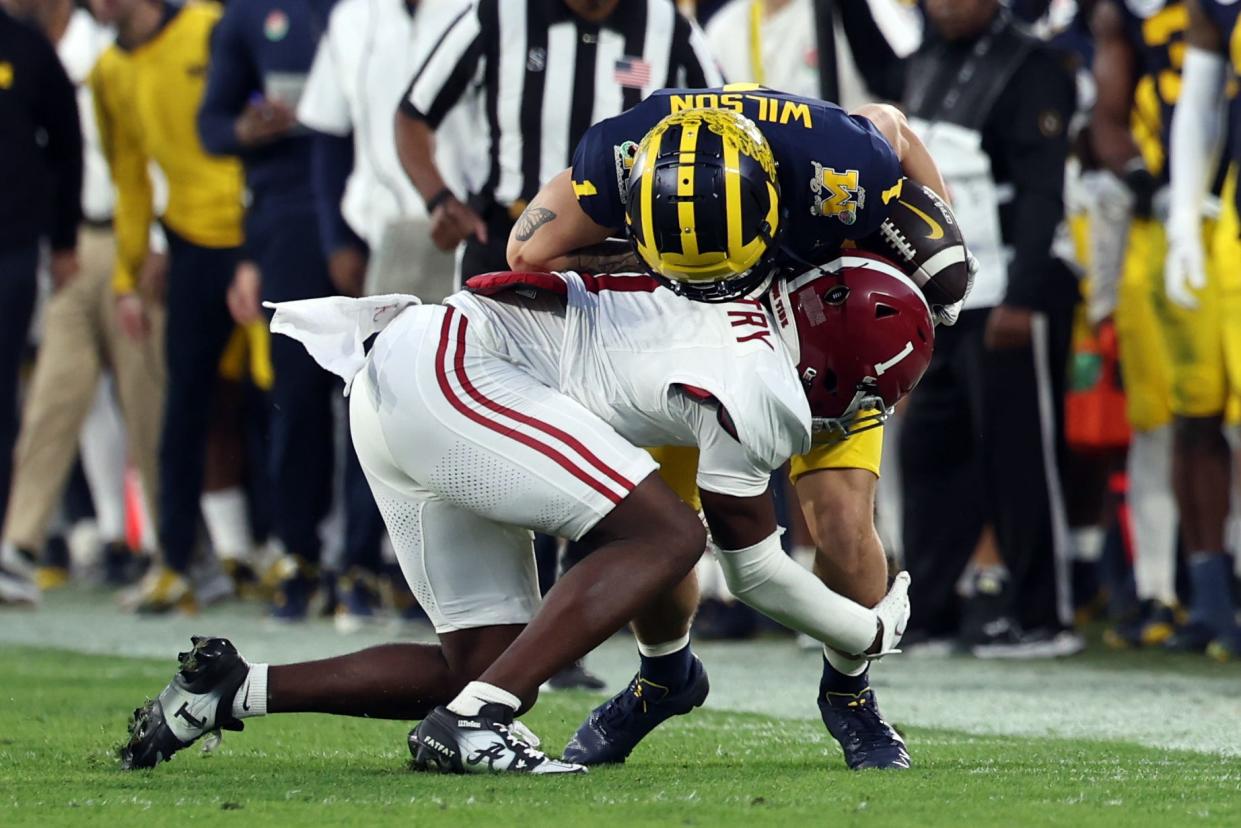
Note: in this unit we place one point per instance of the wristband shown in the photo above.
(438, 199)
(1142, 184)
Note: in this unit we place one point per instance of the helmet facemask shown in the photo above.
(860, 333)
(866, 411)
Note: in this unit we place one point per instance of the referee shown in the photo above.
(547, 69)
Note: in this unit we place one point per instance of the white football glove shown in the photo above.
(1109, 208)
(893, 611)
(1185, 267)
(947, 315)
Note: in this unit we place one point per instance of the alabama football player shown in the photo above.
(720, 192)
(520, 404)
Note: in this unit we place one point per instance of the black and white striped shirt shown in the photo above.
(546, 75)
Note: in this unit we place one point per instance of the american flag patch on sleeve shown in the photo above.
(632, 73)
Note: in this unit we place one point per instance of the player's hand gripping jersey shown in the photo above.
(836, 172)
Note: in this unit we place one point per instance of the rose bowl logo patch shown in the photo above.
(276, 26)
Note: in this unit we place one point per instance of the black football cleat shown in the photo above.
(575, 677)
(1226, 648)
(490, 742)
(291, 603)
(198, 701)
(1152, 625)
(1161, 624)
(614, 729)
(1192, 637)
(867, 740)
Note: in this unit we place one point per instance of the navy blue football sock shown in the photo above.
(671, 671)
(1210, 574)
(834, 681)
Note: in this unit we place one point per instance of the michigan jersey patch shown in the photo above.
(625, 154)
(836, 193)
(276, 26)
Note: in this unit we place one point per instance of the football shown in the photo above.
(921, 235)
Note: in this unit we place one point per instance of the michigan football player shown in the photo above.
(716, 190)
(1139, 48)
(1206, 345)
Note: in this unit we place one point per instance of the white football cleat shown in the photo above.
(490, 742)
(17, 581)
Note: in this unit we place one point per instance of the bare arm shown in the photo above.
(1115, 76)
(451, 221)
(915, 160)
(554, 233)
(737, 522)
(1202, 33)
(1111, 205)
(415, 146)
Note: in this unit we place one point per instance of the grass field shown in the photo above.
(62, 713)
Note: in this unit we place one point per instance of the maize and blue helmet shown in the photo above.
(703, 205)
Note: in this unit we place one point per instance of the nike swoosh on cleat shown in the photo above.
(245, 697)
(937, 232)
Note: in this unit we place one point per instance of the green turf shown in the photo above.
(61, 715)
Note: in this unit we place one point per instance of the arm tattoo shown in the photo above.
(611, 256)
(531, 219)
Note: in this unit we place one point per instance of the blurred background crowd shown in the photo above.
(167, 167)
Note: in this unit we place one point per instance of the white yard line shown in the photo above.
(1164, 709)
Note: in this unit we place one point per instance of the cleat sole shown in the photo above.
(211, 665)
(150, 740)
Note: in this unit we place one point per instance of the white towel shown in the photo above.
(333, 328)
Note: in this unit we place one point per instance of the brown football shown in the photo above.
(922, 237)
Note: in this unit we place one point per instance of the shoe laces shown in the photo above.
(521, 740)
(525, 734)
(864, 724)
(623, 704)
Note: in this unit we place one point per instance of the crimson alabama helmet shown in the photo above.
(861, 334)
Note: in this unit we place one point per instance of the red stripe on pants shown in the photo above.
(441, 375)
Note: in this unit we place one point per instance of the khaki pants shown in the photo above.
(80, 340)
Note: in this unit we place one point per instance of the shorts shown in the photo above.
(678, 465)
(1205, 342)
(863, 450)
(1141, 305)
(466, 453)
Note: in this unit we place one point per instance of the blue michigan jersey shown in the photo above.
(1226, 15)
(1156, 28)
(837, 173)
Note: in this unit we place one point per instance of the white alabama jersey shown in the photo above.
(524, 406)
(654, 365)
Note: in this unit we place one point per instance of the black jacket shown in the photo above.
(1020, 97)
(40, 142)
